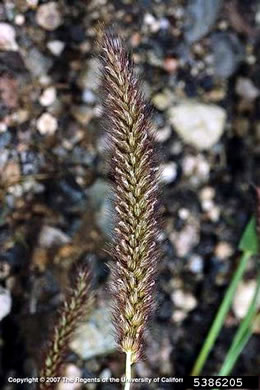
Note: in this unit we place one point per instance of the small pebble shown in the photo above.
(186, 239)
(184, 300)
(207, 204)
(71, 372)
(88, 96)
(168, 172)
(7, 37)
(195, 264)
(44, 80)
(163, 134)
(183, 213)
(19, 19)
(5, 302)
(207, 193)
(164, 23)
(179, 316)
(246, 89)
(56, 47)
(135, 39)
(48, 96)
(161, 101)
(50, 236)
(149, 19)
(11, 173)
(47, 124)
(32, 3)
(3, 127)
(8, 91)
(170, 64)
(37, 63)
(214, 213)
(48, 16)
(243, 297)
(200, 125)
(106, 374)
(223, 250)
(196, 167)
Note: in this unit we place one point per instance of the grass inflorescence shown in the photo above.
(135, 178)
(75, 306)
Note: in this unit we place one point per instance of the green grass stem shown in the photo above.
(242, 335)
(221, 315)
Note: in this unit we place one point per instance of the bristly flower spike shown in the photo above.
(77, 303)
(135, 177)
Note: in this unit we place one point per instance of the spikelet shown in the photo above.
(76, 304)
(135, 178)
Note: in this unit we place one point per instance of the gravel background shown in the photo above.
(199, 62)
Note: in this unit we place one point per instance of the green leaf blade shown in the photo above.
(250, 241)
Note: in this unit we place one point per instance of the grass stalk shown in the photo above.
(128, 370)
(221, 315)
(242, 335)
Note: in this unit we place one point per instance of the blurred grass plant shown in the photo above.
(76, 305)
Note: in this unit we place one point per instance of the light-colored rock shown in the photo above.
(19, 19)
(178, 316)
(12, 173)
(214, 213)
(168, 172)
(196, 167)
(186, 239)
(32, 3)
(95, 337)
(88, 96)
(184, 213)
(207, 204)
(246, 89)
(207, 193)
(47, 124)
(50, 236)
(105, 374)
(83, 114)
(184, 300)
(5, 302)
(48, 97)
(3, 127)
(195, 264)
(223, 250)
(163, 134)
(7, 37)
(162, 100)
(200, 125)
(36, 62)
(243, 297)
(48, 16)
(56, 47)
(70, 372)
